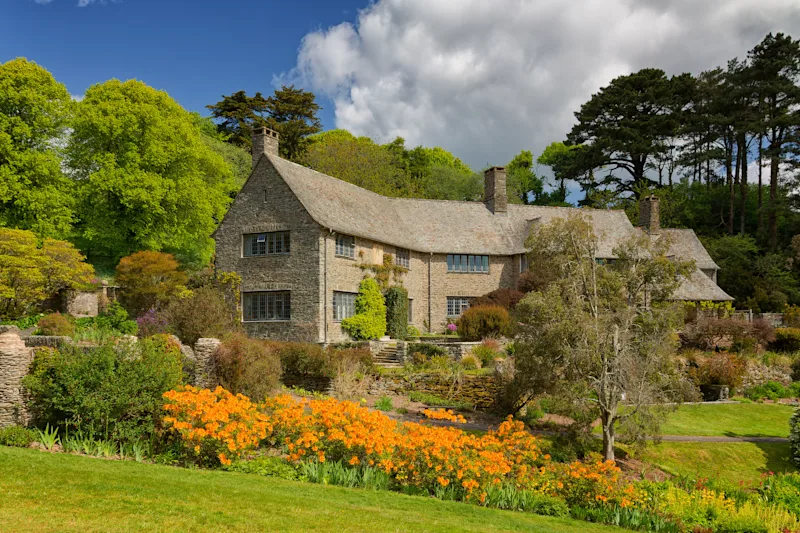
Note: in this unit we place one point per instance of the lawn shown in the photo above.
(60, 492)
(732, 461)
(730, 419)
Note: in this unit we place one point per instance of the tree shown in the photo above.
(293, 114)
(147, 179)
(626, 124)
(238, 159)
(31, 273)
(369, 322)
(524, 186)
(34, 113)
(776, 68)
(595, 335)
(149, 280)
(239, 114)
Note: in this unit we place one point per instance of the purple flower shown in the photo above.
(452, 327)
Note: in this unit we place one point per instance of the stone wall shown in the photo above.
(480, 390)
(265, 204)
(80, 303)
(15, 359)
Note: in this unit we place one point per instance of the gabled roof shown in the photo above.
(684, 243)
(699, 287)
(438, 226)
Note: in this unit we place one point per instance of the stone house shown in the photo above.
(300, 241)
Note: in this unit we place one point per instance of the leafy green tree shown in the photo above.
(149, 280)
(34, 114)
(238, 159)
(524, 186)
(293, 114)
(31, 273)
(625, 124)
(147, 179)
(238, 114)
(594, 336)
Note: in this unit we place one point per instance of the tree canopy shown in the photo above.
(147, 179)
(34, 114)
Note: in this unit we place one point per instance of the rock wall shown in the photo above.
(15, 359)
(81, 303)
(204, 354)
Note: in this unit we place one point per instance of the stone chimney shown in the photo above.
(649, 214)
(494, 186)
(265, 141)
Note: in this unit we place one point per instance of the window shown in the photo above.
(457, 305)
(403, 257)
(345, 246)
(263, 306)
(523, 263)
(272, 243)
(467, 263)
(410, 311)
(344, 305)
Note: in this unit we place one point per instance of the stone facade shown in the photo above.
(280, 196)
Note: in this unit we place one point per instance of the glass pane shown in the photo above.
(486, 263)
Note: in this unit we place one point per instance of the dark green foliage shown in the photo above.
(437, 401)
(796, 369)
(238, 114)
(773, 390)
(293, 114)
(112, 392)
(384, 403)
(369, 322)
(786, 340)
(267, 466)
(311, 360)
(630, 518)
(337, 473)
(513, 499)
(115, 318)
(506, 298)
(428, 350)
(56, 324)
(480, 322)
(248, 366)
(397, 312)
(794, 437)
(17, 436)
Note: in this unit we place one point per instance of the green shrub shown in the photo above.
(505, 298)
(773, 390)
(369, 322)
(17, 436)
(796, 369)
(116, 318)
(149, 279)
(486, 353)
(786, 340)
(56, 324)
(783, 490)
(267, 466)
(25, 322)
(384, 403)
(311, 360)
(397, 312)
(428, 350)
(113, 391)
(479, 322)
(412, 331)
(720, 369)
(513, 499)
(248, 366)
(470, 362)
(794, 437)
(204, 312)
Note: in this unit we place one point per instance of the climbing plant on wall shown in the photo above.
(397, 312)
(369, 322)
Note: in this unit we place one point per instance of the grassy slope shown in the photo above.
(732, 461)
(60, 492)
(730, 419)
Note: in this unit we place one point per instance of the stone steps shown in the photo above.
(387, 357)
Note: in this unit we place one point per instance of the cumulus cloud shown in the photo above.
(487, 79)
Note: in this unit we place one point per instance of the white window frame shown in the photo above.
(345, 246)
(342, 309)
(456, 305)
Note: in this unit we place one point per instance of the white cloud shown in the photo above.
(487, 79)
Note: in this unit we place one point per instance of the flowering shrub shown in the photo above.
(152, 322)
(444, 414)
(215, 424)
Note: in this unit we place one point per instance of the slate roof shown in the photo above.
(439, 226)
(444, 226)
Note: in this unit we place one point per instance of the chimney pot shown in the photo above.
(650, 213)
(265, 141)
(495, 195)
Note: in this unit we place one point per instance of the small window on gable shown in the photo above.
(271, 243)
(345, 246)
(403, 258)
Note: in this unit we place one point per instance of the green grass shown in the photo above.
(731, 461)
(730, 419)
(60, 492)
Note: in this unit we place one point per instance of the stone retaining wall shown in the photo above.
(15, 358)
(481, 391)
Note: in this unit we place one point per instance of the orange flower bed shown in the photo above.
(417, 455)
(215, 422)
(444, 414)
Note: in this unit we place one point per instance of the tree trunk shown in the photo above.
(772, 220)
(743, 182)
(760, 229)
(731, 186)
(609, 436)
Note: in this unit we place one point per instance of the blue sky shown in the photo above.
(196, 51)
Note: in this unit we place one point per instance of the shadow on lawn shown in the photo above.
(777, 457)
